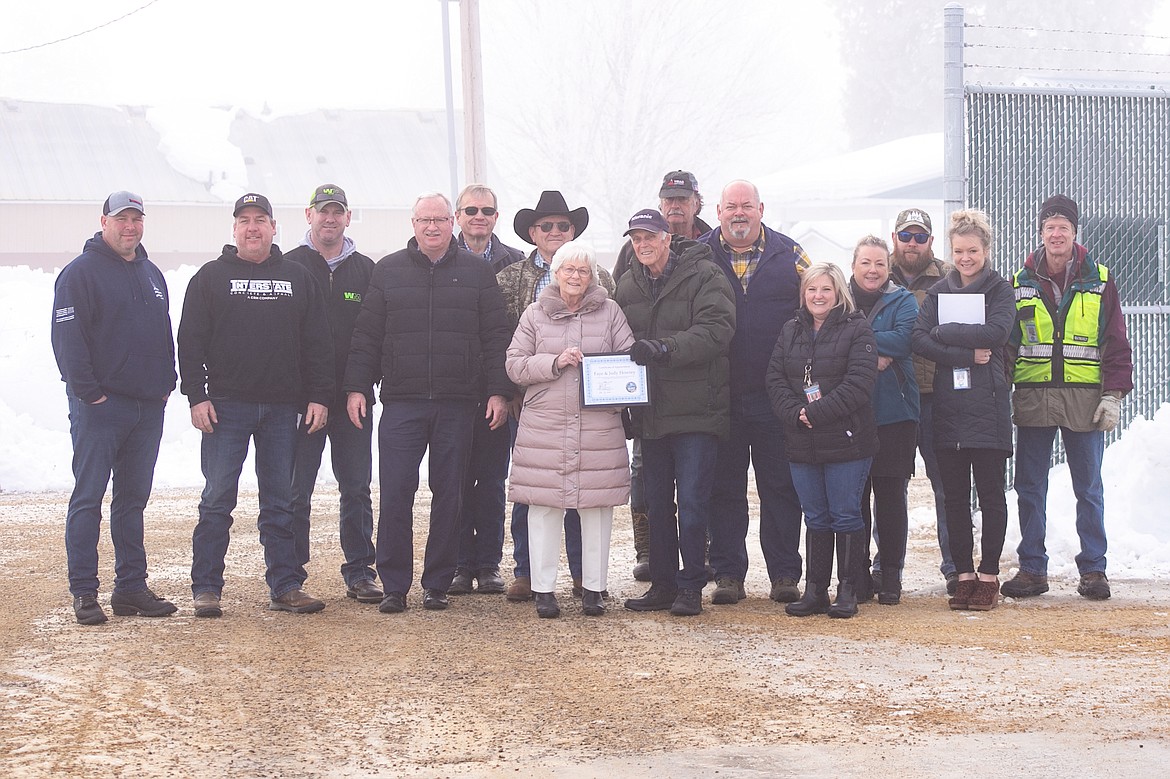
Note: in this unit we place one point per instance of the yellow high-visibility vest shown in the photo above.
(1067, 348)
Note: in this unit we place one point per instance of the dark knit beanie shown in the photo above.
(1060, 205)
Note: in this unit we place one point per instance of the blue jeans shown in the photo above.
(119, 436)
(684, 462)
(831, 494)
(520, 532)
(349, 451)
(930, 459)
(1033, 460)
(409, 428)
(273, 426)
(481, 528)
(756, 434)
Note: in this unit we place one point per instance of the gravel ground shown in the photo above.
(1055, 686)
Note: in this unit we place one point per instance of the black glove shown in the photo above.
(628, 424)
(645, 352)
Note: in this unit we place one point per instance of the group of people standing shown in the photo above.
(755, 357)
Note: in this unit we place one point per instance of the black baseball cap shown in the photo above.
(252, 199)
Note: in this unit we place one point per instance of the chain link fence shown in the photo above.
(1109, 151)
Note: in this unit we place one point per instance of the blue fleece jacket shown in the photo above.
(112, 326)
(895, 396)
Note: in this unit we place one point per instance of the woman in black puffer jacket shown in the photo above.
(972, 408)
(820, 381)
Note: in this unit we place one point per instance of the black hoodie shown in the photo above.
(255, 332)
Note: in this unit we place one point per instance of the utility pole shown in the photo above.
(474, 143)
(452, 148)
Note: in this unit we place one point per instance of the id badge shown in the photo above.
(812, 392)
(962, 380)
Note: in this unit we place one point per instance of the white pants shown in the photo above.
(544, 546)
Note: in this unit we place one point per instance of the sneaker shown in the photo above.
(687, 603)
(964, 588)
(657, 598)
(520, 590)
(461, 584)
(1094, 586)
(785, 590)
(984, 597)
(489, 581)
(727, 591)
(87, 610)
(1025, 585)
(207, 604)
(296, 601)
(142, 603)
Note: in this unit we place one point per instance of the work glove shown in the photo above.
(647, 351)
(1108, 413)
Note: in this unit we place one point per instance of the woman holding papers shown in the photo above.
(820, 381)
(891, 311)
(568, 456)
(963, 327)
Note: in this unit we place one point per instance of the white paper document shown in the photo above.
(962, 309)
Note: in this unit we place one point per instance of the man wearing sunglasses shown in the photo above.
(481, 527)
(433, 332)
(917, 269)
(548, 226)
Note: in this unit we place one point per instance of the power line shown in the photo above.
(79, 34)
(1066, 49)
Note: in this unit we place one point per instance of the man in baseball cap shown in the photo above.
(118, 371)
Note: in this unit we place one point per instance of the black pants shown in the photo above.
(956, 467)
(887, 494)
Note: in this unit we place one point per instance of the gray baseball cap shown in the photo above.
(118, 202)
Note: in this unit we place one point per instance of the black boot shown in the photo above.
(546, 605)
(891, 591)
(592, 603)
(818, 546)
(849, 575)
(864, 586)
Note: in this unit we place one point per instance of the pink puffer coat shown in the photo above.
(566, 457)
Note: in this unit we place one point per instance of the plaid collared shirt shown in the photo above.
(657, 284)
(745, 262)
(486, 253)
(545, 277)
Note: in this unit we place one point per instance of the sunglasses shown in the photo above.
(905, 236)
(547, 227)
(473, 210)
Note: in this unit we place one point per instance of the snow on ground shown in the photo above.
(35, 451)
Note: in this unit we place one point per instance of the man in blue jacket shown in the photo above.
(343, 273)
(763, 267)
(112, 339)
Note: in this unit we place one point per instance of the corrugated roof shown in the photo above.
(380, 158)
(55, 151)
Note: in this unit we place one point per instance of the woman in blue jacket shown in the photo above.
(891, 311)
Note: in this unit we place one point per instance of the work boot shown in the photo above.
(818, 552)
(87, 610)
(520, 589)
(1025, 585)
(727, 591)
(688, 603)
(1094, 585)
(855, 566)
(785, 590)
(641, 546)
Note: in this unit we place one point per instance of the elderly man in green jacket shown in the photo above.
(682, 311)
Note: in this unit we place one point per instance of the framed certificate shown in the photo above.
(613, 380)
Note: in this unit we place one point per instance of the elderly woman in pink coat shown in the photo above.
(566, 456)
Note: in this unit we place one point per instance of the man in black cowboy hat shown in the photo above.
(547, 227)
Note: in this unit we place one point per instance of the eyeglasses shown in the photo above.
(547, 227)
(473, 210)
(431, 220)
(576, 271)
(905, 236)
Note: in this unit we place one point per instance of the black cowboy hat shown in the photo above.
(551, 203)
